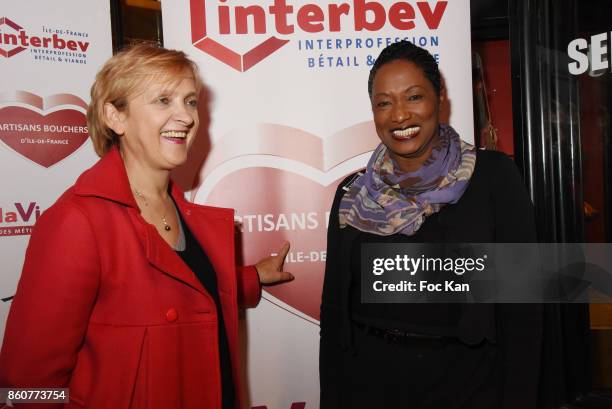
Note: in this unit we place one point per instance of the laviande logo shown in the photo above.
(219, 27)
(17, 219)
(58, 45)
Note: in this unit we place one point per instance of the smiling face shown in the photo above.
(406, 113)
(159, 125)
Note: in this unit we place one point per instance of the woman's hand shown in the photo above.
(270, 269)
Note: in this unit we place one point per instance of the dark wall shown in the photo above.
(489, 19)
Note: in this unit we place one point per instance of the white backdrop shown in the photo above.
(290, 118)
(49, 54)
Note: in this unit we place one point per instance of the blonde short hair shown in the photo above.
(126, 73)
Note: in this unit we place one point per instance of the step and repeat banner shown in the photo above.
(288, 118)
(49, 54)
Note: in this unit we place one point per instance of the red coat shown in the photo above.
(105, 307)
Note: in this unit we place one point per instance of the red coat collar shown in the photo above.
(108, 179)
(212, 226)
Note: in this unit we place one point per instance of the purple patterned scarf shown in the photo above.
(385, 200)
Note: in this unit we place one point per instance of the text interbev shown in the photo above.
(22, 39)
(314, 18)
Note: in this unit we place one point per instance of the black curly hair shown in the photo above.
(406, 51)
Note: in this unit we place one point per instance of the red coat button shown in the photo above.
(171, 315)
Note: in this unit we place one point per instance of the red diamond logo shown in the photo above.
(4, 21)
(238, 61)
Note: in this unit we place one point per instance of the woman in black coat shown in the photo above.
(423, 184)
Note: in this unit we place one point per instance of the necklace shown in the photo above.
(146, 203)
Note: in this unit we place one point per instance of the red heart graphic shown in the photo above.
(284, 193)
(44, 139)
(299, 214)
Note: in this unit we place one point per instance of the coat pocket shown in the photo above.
(182, 367)
(107, 367)
(74, 403)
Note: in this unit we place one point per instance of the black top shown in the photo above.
(197, 260)
(494, 208)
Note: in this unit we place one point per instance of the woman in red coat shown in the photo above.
(129, 294)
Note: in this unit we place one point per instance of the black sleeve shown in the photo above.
(331, 349)
(519, 325)
(514, 213)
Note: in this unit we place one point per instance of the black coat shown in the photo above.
(494, 208)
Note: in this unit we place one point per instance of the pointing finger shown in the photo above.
(285, 276)
(283, 251)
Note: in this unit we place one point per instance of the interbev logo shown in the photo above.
(14, 39)
(5, 38)
(220, 27)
